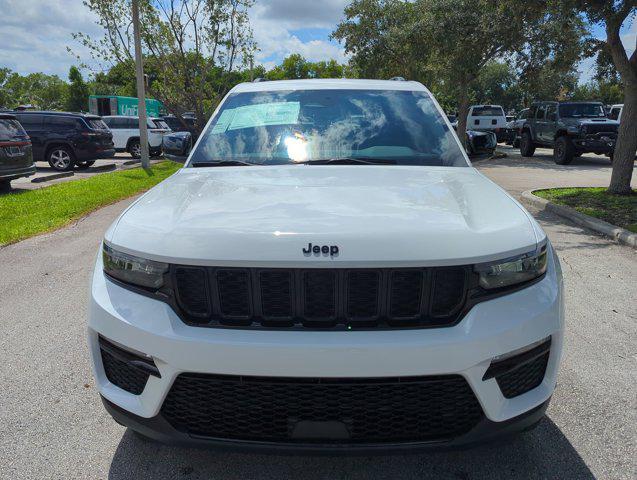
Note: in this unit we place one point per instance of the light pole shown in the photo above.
(141, 88)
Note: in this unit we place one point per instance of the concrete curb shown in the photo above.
(53, 176)
(102, 168)
(616, 233)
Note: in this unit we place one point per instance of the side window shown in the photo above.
(61, 123)
(614, 113)
(115, 123)
(541, 112)
(132, 123)
(551, 113)
(30, 121)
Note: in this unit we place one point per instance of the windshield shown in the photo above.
(575, 110)
(301, 126)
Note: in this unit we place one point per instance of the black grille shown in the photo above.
(523, 378)
(592, 128)
(321, 298)
(119, 370)
(303, 410)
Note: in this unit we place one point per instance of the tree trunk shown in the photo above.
(463, 111)
(624, 157)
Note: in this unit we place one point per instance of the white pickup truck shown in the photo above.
(327, 272)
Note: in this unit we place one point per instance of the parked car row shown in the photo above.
(66, 140)
(569, 128)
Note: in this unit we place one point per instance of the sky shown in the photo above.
(36, 33)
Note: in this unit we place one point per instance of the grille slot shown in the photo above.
(276, 295)
(192, 291)
(362, 294)
(448, 291)
(234, 293)
(321, 298)
(320, 295)
(367, 410)
(406, 293)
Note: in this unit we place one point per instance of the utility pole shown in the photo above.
(141, 88)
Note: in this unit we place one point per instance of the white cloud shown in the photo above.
(273, 21)
(36, 33)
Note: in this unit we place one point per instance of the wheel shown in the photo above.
(611, 155)
(61, 158)
(84, 163)
(563, 151)
(527, 149)
(5, 185)
(135, 149)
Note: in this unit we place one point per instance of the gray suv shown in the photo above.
(570, 129)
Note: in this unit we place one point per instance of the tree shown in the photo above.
(448, 43)
(612, 14)
(189, 42)
(295, 66)
(76, 99)
(43, 91)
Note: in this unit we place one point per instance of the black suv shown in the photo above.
(570, 129)
(16, 159)
(67, 139)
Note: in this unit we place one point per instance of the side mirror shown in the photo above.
(177, 146)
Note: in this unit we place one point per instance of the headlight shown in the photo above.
(573, 129)
(134, 270)
(513, 271)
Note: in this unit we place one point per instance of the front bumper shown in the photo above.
(491, 328)
(594, 143)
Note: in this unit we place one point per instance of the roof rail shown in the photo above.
(397, 79)
(258, 79)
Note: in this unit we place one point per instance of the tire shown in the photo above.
(61, 158)
(611, 156)
(135, 149)
(563, 151)
(5, 185)
(84, 163)
(527, 149)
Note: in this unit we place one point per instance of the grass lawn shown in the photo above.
(27, 213)
(620, 210)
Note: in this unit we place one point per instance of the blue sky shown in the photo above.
(35, 33)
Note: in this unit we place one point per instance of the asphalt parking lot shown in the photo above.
(52, 424)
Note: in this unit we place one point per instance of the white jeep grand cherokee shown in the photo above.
(327, 272)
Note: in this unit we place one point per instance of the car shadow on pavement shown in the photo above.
(541, 453)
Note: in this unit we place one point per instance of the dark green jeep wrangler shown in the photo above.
(570, 129)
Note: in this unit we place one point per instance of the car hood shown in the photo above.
(590, 121)
(375, 215)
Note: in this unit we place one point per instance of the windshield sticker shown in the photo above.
(259, 115)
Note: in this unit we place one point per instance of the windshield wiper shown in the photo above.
(223, 163)
(350, 161)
